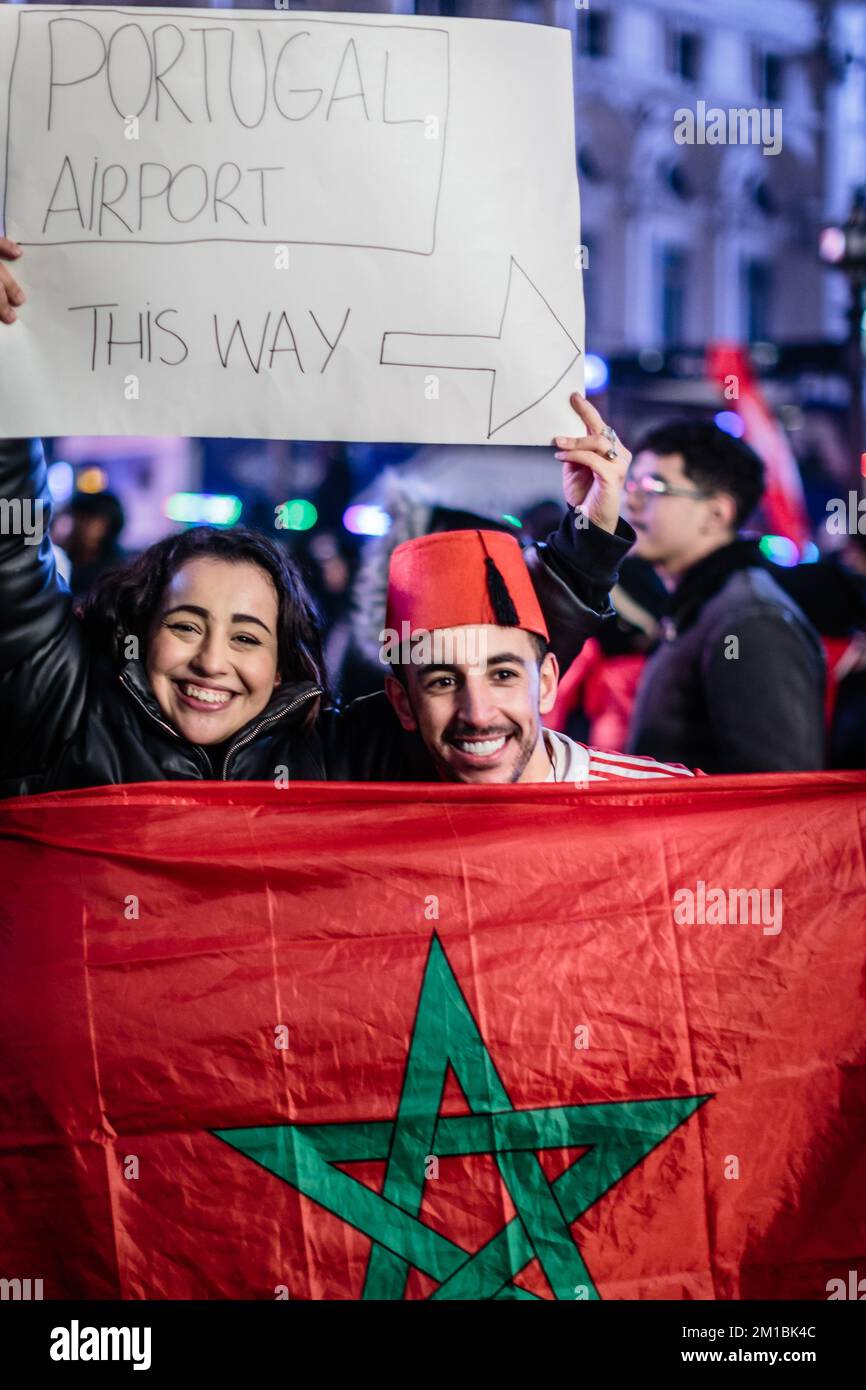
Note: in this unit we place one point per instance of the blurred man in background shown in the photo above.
(737, 682)
(89, 530)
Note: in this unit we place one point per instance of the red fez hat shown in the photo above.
(460, 579)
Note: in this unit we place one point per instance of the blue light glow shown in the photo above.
(596, 373)
(731, 423)
(61, 481)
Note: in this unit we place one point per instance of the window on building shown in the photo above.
(769, 75)
(674, 279)
(763, 197)
(684, 54)
(758, 300)
(593, 33)
(588, 166)
(675, 179)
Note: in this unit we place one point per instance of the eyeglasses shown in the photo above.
(655, 487)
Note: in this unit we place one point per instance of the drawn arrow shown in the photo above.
(527, 357)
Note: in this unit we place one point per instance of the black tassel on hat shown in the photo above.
(497, 590)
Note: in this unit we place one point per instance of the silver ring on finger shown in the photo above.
(610, 433)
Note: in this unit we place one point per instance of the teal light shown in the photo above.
(297, 515)
(512, 520)
(210, 508)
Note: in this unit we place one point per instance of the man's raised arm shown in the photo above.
(575, 569)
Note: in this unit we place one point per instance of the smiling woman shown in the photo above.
(219, 617)
(200, 659)
(212, 654)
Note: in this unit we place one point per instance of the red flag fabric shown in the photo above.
(394, 1042)
(784, 501)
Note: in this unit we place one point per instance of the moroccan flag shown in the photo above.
(386, 1042)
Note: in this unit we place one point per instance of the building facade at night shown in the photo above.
(690, 242)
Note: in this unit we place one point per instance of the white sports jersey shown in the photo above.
(574, 762)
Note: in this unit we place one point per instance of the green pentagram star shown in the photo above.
(617, 1136)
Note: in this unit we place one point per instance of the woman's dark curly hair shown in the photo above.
(124, 600)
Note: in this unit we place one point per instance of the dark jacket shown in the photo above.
(738, 683)
(69, 718)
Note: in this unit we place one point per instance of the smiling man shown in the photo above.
(476, 691)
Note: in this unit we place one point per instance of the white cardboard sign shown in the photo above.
(289, 225)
